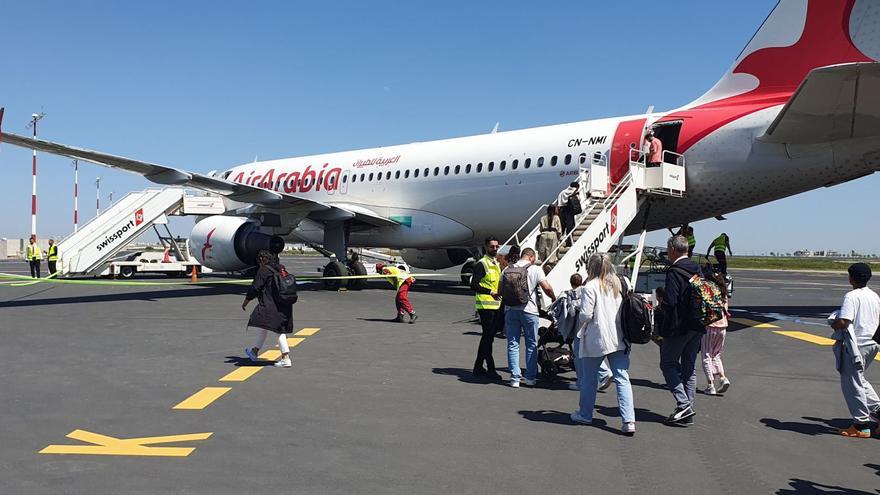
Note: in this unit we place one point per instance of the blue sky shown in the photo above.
(207, 85)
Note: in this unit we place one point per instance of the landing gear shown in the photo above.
(467, 272)
(356, 268)
(335, 269)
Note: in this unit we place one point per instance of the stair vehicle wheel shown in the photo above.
(467, 272)
(335, 269)
(357, 268)
(127, 271)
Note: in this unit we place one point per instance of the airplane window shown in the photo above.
(371, 175)
(527, 163)
(567, 159)
(388, 175)
(492, 166)
(446, 170)
(405, 174)
(582, 159)
(397, 174)
(503, 165)
(436, 171)
(426, 173)
(467, 169)
(457, 169)
(479, 167)
(513, 165)
(416, 173)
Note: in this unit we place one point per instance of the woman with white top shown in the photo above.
(601, 338)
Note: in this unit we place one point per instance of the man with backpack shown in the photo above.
(519, 294)
(680, 330)
(569, 206)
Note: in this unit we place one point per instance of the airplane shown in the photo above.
(798, 109)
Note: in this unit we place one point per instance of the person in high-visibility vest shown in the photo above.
(487, 301)
(687, 232)
(33, 256)
(52, 256)
(720, 247)
(402, 281)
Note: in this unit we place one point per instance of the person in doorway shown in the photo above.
(653, 148)
(522, 319)
(52, 257)
(601, 337)
(402, 281)
(34, 256)
(569, 204)
(720, 247)
(713, 344)
(271, 314)
(856, 334)
(487, 301)
(681, 331)
(551, 231)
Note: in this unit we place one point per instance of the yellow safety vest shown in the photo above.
(33, 252)
(398, 277)
(719, 244)
(489, 281)
(692, 241)
(53, 253)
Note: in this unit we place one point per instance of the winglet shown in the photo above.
(1, 123)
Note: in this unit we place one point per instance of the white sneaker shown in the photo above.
(710, 390)
(629, 429)
(283, 363)
(530, 383)
(251, 354)
(577, 418)
(514, 383)
(573, 386)
(725, 384)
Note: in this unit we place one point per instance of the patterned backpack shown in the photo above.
(707, 302)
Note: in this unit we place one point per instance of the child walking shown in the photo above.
(713, 344)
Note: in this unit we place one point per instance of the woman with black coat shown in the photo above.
(270, 315)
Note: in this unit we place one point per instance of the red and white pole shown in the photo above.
(75, 195)
(98, 196)
(36, 118)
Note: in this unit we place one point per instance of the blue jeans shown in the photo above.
(619, 363)
(678, 362)
(516, 323)
(604, 372)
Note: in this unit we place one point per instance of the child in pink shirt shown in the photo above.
(713, 344)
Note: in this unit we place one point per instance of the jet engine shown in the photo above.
(435, 259)
(230, 243)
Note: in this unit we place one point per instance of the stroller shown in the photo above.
(553, 356)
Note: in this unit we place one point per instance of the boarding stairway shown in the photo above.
(608, 209)
(94, 244)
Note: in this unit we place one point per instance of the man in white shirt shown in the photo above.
(855, 328)
(523, 318)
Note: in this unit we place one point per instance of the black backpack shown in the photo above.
(285, 282)
(515, 285)
(574, 204)
(635, 317)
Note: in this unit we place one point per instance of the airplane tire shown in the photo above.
(467, 271)
(357, 268)
(335, 269)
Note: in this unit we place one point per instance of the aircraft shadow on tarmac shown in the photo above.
(152, 295)
(804, 487)
(817, 427)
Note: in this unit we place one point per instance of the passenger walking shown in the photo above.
(857, 333)
(713, 344)
(52, 256)
(271, 314)
(487, 301)
(34, 255)
(519, 294)
(720, 247)
(569, 206)
(551, 231)
(601, 337)
(654, 149)
(574, 296)
(681, 331)
(402, 281)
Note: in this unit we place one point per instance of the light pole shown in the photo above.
(98, 196)
(75, 195)
(33, 125)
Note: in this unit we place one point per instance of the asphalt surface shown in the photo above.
(372, 406)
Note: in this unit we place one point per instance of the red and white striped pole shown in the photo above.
(98, 196)
(34, 119)
(75, 195)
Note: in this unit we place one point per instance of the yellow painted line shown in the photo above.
(815, 339)
(241, 374)
(203, 398)
(307, 332)
(294, 341)
(271, 355)
(753, 323)
(107, 445)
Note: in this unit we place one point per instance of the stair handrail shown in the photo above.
(96, 217)
(515, 235)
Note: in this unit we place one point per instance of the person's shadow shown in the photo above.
(805, 487)
(467, 376)
(243, 361)
(818, 427)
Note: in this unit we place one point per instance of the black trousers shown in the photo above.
(721, 256)
(51, 266)
(35, 268)
(492, 322)
(567, 226)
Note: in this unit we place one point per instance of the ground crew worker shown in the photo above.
(402, 281)
(721, 246)
(687, 232)
(33, 256)
(487, 301)
(52, 256)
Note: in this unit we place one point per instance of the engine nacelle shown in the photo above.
(435, 259)
(230, 243)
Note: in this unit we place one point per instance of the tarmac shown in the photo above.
(99, 381)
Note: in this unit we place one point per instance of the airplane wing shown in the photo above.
(832, 103)
(223, 187)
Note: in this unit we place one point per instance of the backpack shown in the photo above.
(707, 302)
(574, 204)
(285, 282)
(515, 285)
(635, 317)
